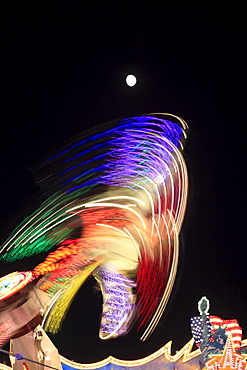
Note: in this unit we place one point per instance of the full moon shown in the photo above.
(131, 80)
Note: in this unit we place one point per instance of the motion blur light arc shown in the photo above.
(116, 199)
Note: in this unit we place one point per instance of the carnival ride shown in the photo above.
(116, 200)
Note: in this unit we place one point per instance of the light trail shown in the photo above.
(115, 205)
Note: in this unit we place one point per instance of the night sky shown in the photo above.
(63, 69)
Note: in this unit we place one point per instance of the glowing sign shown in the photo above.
(229, 360)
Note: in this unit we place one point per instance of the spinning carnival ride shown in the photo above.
(115, 203)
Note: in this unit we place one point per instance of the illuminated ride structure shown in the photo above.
(115, 203)
(20, 318)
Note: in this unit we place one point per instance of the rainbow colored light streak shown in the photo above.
(116, 201)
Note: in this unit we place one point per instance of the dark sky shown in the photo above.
(63, 69)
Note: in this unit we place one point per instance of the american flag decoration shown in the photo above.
(231, 328)
(196, 328)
